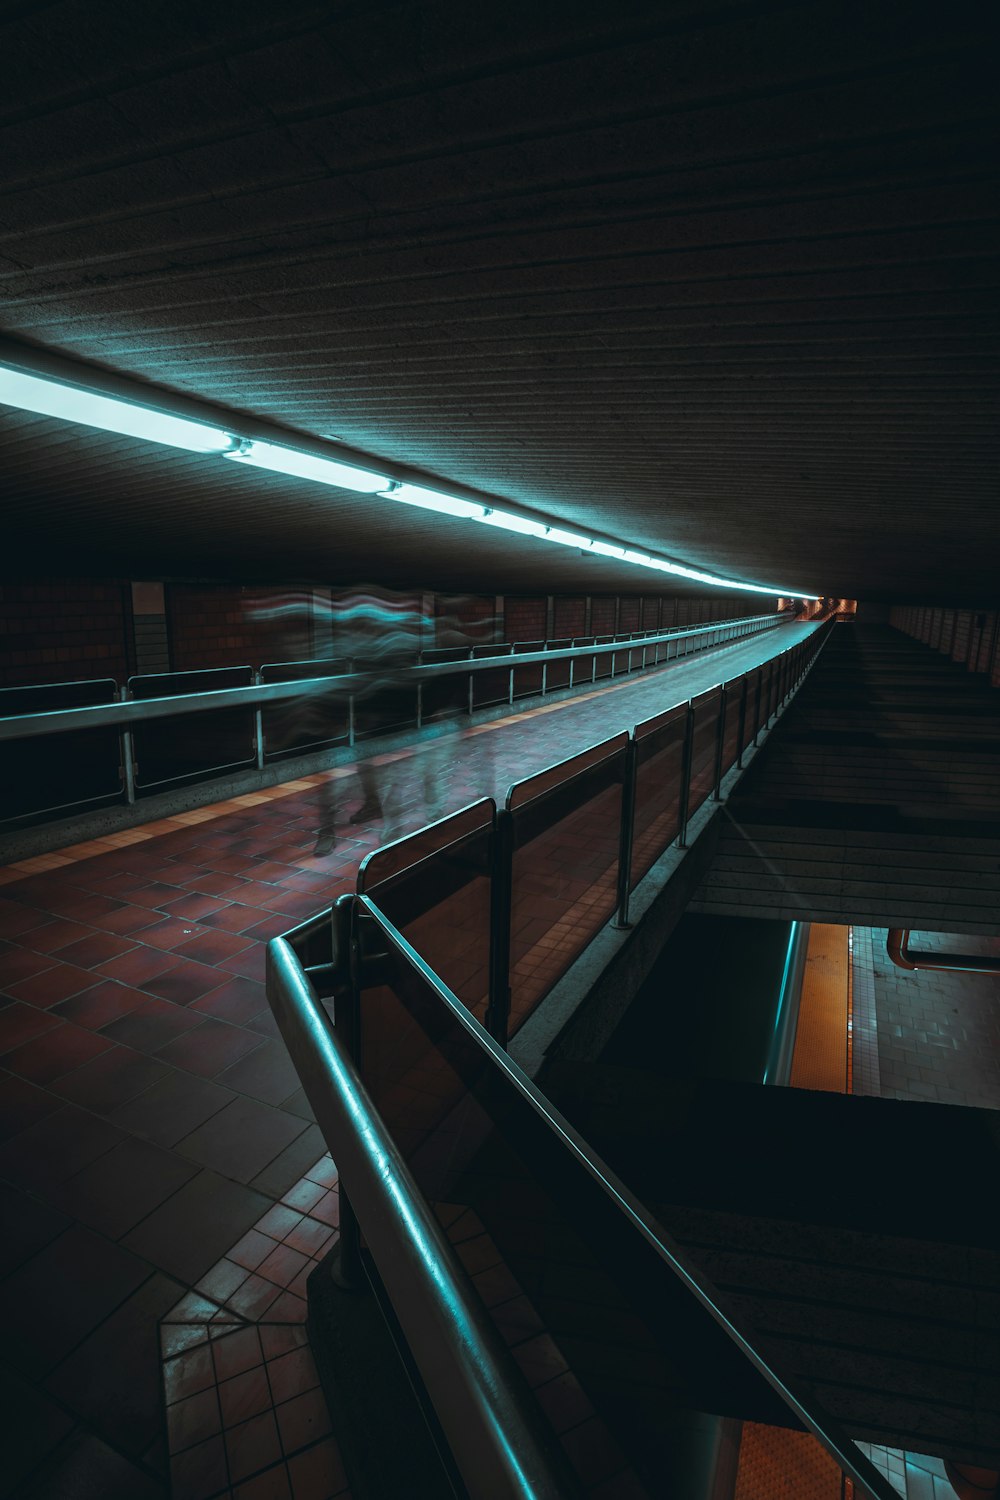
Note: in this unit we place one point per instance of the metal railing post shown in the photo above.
(128, 766)
(741, 731)
(684, 799)
(420, 705)
(720, 744)
(348, 1271)
(756, 706)
(627, 833)
(258, 718)
(497, 1019)
(128, 755)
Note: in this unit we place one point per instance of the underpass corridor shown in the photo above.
(159, 1164)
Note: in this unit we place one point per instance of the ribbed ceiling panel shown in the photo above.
(720, 281)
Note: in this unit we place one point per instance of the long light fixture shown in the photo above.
(567, 538)
(608, 549)
(76, 403)
(281, 460)
(520, 525)
(427, 499)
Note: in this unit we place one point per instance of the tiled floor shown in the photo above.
(938, 1032)
(150, 1120)
(777, 1464)
(914, 1476)
(244, 1412)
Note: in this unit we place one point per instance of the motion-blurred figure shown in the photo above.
(416, 791)
(380, 635)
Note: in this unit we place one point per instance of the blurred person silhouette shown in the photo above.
(380, 634)
(419, 791)
(294, 629)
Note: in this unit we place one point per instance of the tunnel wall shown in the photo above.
(72, 630)
(63, 631)
(968, 636)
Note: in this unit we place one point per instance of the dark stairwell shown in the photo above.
(877, 800)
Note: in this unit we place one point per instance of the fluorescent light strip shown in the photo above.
(566, 538)
(281, 460)
(505, 521)
(427, 499)
(73, 403)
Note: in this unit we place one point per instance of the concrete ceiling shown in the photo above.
(719, 280)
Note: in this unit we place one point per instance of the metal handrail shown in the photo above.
(403, 1229)
(832, 1437)
(896, 946)
(497, 1438)
(778, 1068)
(479, 1398)
(60, 721)
(795, 660)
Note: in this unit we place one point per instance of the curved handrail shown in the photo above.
(496, 1435)
(896, 946)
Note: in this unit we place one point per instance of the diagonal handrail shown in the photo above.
(497, 1437)
(500, 1446)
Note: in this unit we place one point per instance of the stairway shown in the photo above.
(876, 799)
(843, 1231)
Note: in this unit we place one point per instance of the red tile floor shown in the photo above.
(154, 1139)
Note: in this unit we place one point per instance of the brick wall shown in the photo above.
(649, 613)
(628, 616)
(983, 635)
(960, 643)
(603, 615)
(966, 635)
(947, 631)
(524, 618)
(473, 614)
(62, 632)
(227, 625)
(569, 618)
